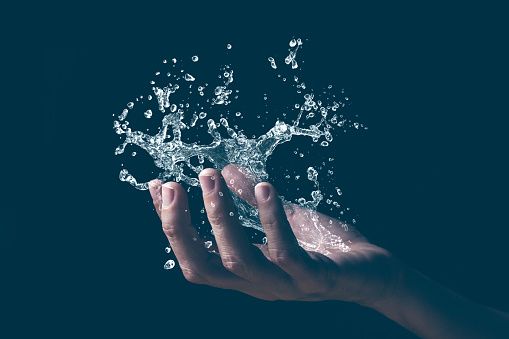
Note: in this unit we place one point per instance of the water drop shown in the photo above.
(148, 114)
(194, 58)
(169, 264)
(272, 62)
(188, 77)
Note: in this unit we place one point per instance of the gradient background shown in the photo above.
(428, 180)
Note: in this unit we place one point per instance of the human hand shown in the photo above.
(308, 255)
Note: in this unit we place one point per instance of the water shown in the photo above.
(177, 160)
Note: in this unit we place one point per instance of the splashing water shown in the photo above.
(174, 157)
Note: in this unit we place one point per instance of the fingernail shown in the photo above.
(262, 191)
(207, 183)
(168, 195)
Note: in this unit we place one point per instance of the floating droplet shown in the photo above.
(169, 264)
(188, 77)
(272, 62)
(167, 249)
(229, 46)
(194, 58)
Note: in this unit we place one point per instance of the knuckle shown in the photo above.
(170, 230)
(234, 265)
(192, 276)
(270, 223)
(283, 257)
(216, 219)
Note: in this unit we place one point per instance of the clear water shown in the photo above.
(182, 161)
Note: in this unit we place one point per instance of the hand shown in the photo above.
(308, 255)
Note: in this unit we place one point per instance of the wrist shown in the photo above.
(396, 289)
(392, 292)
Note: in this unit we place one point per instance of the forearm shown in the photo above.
(432, 311)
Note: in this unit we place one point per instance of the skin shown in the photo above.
(283, 269)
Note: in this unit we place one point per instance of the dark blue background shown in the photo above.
(428, 180)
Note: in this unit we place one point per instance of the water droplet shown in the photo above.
(229, 46)
(194, 58)
(169, 264)
(148, 114)
(167, 249)
(231, 214)
(207, 244)
(188, 77)
(293, 43)
(272, 62)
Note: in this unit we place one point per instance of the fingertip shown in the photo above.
(208, 172)
(154, 187)
(228, 169)
(263, 191)
(168, 184)
(168, 194)
(154, 183)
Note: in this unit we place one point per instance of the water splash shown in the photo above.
(177, 159)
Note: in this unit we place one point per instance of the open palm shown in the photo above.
(308, 255)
